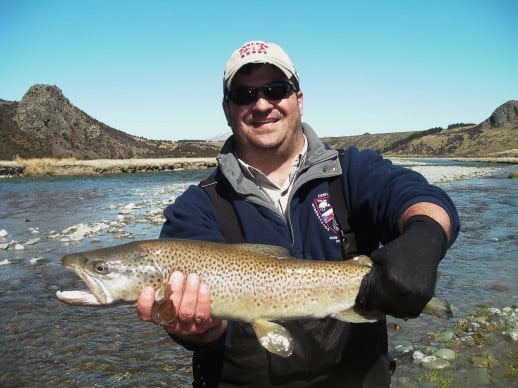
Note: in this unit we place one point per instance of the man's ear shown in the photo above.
(300, 99)
(225, 105)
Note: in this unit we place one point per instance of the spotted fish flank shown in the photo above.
(248, 282)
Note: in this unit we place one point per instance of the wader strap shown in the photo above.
(221, 197)
(336, 194)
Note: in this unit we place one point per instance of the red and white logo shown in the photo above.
(324, 211)
(253, 48)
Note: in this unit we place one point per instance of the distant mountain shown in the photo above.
(496, 136)
(46, 124)
(221, 137)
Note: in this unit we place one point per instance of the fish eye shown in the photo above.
(101, 267)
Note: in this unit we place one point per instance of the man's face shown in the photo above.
(264, 123)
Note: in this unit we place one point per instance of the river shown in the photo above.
(47, 343)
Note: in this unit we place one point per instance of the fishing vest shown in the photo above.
(222, 195)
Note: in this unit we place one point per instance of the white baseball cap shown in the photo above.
(258, 52)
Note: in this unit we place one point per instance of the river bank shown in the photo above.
(73, 167)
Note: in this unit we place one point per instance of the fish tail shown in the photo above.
(438, 308)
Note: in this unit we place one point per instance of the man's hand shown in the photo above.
(404, 272)
(189, 300)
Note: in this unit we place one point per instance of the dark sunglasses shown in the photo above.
(273, 92)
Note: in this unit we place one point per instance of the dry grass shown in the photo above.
(72, 166)
(43, 166)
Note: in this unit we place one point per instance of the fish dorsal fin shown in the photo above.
(267, 250)
(273, 337)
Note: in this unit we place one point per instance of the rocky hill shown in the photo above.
(495, 136)
(46, 124)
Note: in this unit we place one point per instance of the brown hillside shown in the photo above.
(496, 136)
(45, 124)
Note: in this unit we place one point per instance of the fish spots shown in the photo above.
(244, 279)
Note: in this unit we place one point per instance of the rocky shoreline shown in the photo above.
(479, 350)
(69, 167)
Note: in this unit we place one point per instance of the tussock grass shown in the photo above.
(43, 166)
(72, 166)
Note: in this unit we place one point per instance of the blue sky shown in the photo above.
(155, 68)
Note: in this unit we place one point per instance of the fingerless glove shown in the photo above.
(404, 272)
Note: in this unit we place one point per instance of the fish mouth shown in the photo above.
(78, 297)
(97, 294)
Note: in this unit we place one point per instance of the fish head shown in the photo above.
(111, 276)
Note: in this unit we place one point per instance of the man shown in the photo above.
(279, 172)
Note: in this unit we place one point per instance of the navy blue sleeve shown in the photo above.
(379, 192)
(193, 217)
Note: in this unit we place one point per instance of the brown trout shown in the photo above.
(248, 282)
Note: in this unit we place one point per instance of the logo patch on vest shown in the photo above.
(324, 212)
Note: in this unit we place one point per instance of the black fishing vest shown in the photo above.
(221, 195)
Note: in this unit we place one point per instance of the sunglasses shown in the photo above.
(248, 94)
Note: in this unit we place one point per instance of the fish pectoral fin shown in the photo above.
(273, 337)
(355, 315)
(363, 260)
(163, 312)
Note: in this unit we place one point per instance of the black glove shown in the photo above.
(404, 271)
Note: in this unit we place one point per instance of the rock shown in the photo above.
(499, 288)
(417, 357)
(429, 362)
(393, 326)
(35, 260)
(478, 377)
(483, 360)
(473, 327)
(429, 350)
(33, 241)
(402, 352)
(468, 340)
(444, 335)
(505, 114)
(512, 335)
(445, 354)
(435, 363)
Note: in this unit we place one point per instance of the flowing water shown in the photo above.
(47, 343)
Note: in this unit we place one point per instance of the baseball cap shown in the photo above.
(258, 52)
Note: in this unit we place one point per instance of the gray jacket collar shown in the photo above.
(320, 162)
